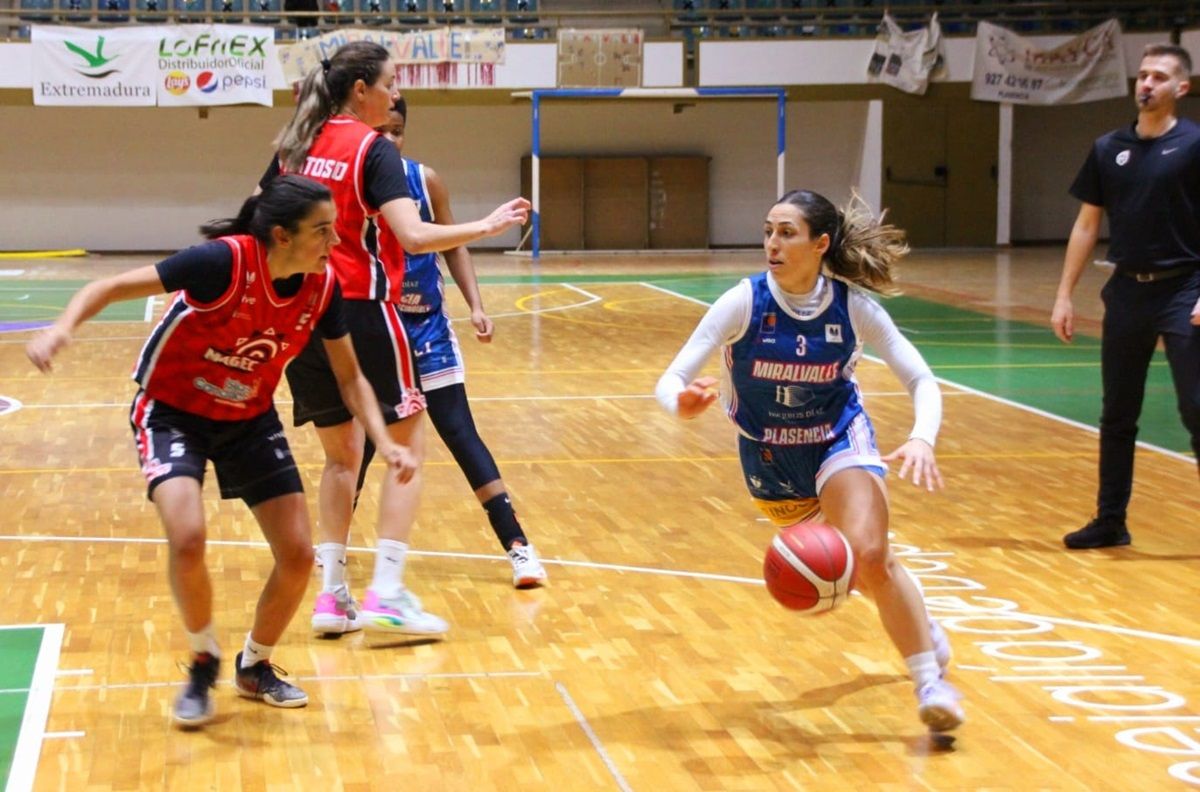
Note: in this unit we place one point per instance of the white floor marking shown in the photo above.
(591, 735)
(37, 709)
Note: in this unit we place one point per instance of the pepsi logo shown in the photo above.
(207, 82)
(177, 83)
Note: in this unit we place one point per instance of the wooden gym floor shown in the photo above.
(655, 660)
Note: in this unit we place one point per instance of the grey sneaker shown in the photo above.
(938, 707)
(260, 682)
(194, 706)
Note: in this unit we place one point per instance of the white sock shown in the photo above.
(331, 557)
(389, 568)
(923, 669)
(204, 641)
(254, 652)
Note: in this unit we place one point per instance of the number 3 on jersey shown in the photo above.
(801, 346)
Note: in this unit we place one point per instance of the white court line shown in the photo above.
(992, 397)
(755, 581)
(1114, 718)
(37, 710)
(1062, 677)
(591, 735)
(427, 553)
(66, 672)
(592, 299)
(474, 399)
(1069, 668)
(154, 302)
(673, 294)
(1112, 628)
(314, 678)
(1007, 331)
(62, 735)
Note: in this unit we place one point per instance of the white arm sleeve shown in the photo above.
(724, 323)
(878, 331)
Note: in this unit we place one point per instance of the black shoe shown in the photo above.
(260, 682)
(1098, 533)
(194, 707)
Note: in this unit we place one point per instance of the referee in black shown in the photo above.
(1147, 177)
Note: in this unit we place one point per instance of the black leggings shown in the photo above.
(450, 413)
(1135, 316)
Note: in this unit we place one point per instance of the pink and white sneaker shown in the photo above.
(336, 612)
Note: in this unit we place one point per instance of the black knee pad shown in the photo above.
(451, 416)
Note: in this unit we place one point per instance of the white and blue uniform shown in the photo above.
(439, 359)
(788, 385)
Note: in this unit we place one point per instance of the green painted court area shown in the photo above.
(1019, 361)
(41, 301)
(18, 657)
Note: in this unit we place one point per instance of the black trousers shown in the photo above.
(1135, 316)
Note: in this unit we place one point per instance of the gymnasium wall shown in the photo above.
(142, 179)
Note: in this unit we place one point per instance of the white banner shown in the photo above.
(215, 65)
(1008, 68)
(423, 58)
(908, 61)
(93, 66)
(168, 66)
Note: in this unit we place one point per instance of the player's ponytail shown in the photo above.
(862, 248)
(323, 92)
(285, 201)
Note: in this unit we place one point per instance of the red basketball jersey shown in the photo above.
(337, 159)
(222, 360)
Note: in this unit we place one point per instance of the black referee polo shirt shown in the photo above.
(1151, 192)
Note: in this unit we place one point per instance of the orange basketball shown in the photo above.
(809, 567)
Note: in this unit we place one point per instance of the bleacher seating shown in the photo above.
(260, 8)
(691, 20)
(112, 12)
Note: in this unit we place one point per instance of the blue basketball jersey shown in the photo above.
(422, 292)
(793, 374)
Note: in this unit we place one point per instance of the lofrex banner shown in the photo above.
(1008, 68)
(908, 60)
(215, 65)
(165, 65)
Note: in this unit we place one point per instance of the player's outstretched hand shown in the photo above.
(505, 216)
(483, 326)
(918, 457)
(695, 398)
(400, 461)
(1063, 319)
(42, 348)
(1196, 313)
